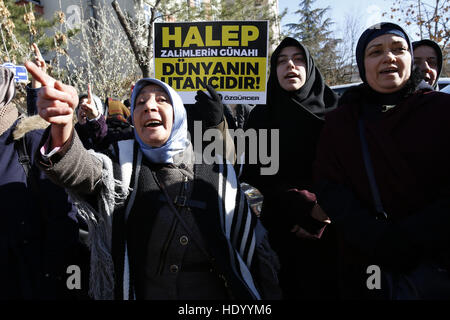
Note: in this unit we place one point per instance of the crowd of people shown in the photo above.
(115, 189)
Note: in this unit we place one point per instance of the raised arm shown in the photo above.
(56, 102)
(64, 158)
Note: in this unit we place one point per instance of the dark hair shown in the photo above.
(82, 96)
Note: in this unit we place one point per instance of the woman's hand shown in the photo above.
(320, 216)
(40, 62)
(89, 107)
(56, 102)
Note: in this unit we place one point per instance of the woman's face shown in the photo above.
(291, 68)
(426, 59)
(388, 63)
(153, 115)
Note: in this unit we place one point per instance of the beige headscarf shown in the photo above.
(7, 86)
(8, 112)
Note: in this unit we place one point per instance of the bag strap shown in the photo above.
(24, 159)
(369, 171)
(180, 204)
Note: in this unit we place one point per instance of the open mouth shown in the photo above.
(153, 124)
(291, 75)
(389, 71)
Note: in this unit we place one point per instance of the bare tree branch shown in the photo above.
(137, 49)
(150, 29)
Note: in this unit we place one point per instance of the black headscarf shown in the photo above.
(374, 101)
(299, 116)
(373, 32)
(437, 49)
(314, 96)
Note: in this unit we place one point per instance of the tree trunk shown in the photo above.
(139, 53)
(150, 32)
(95, 15)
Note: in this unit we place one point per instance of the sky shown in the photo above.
(368, 12)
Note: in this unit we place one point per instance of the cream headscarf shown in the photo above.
(7, 86)
(8, 111)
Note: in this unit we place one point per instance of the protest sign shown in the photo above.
(231, 56)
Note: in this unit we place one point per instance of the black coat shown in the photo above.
(408, 147)
(137, 233)
(39, 230)
(240, 119)
(306, 266)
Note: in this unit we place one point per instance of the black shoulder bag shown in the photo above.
(428, 281)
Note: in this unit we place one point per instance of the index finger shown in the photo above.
(39, 75)
(201, 95)
(37, 52)
(213, 93)
(89, 94)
